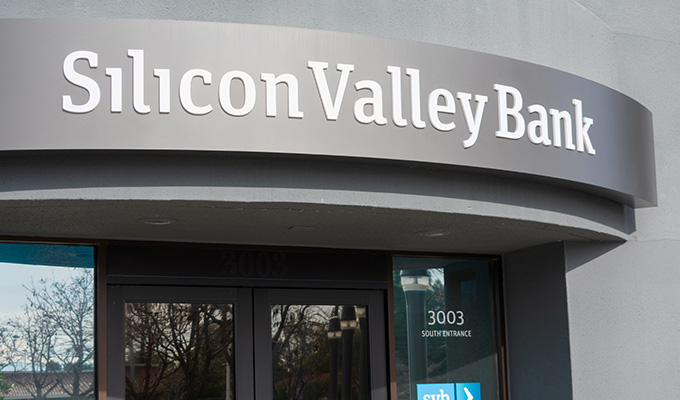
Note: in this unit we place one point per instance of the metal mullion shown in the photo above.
(244, 349)
(264, 376)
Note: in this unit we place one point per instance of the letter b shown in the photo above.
(504, 113)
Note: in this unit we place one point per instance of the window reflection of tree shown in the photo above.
(50, 347)
(36, 336)
(178, 351)
(69, 305)
(300, 352)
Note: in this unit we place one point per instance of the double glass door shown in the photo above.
(207, 343)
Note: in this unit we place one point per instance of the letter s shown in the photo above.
(82, 81)
(426, 397)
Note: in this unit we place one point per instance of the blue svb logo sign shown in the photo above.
(449, 391)
(436, 391)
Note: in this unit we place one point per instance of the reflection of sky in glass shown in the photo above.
(314, 313)
(436, 275)
(14, 278)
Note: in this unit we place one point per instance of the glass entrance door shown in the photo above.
(179, 343)
(318, 344)
(240, 343)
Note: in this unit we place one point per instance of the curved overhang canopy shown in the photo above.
(196, 86)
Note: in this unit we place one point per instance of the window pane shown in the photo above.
(444, 328)
(46, 321)
(179, 351)
(320, 352)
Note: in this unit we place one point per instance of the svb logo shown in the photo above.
(436, 391)
(449, 391)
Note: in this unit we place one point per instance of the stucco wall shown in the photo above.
(624, 327)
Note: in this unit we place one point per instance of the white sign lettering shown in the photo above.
(541, 125)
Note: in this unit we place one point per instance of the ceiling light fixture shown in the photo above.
(432, 234)
(301, 228)
(157, 221)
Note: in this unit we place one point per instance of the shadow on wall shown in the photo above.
(579, 254)
(537, 316)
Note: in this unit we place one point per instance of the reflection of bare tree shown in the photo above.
(69, 305)
(178, 350)
(147, 367)
(300, 351)
(52, 342)
(8, 345)
(35, 336)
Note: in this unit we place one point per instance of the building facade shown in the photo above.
(580, 277)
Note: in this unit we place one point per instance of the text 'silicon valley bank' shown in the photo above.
(449, 391)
